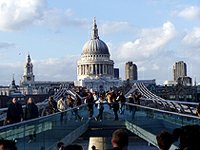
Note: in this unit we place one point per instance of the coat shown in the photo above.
(61, 105)
(31, 111)
(14, 113)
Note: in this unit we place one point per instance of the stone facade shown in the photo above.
(95, 68)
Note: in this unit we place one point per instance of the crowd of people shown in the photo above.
(114, 99)
(188, 137)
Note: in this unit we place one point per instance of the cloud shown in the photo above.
(8, 70)
(57, 18)
(18, 14)
(114, 26)
(148, 43)
(56, 69)
(191, 12)
(5, 45)
(192, 38)
(148, 51)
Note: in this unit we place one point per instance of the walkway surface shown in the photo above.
(143, 127)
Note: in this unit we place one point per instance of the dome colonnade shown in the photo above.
(95, 58)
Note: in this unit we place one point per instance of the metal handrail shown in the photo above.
(164, 111)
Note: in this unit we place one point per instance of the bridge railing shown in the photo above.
(150, 99)
(176, 118)
(64, 89)
(47, 129)
(147, 122)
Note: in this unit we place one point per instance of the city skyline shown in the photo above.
(152, 34)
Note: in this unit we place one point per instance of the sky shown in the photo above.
(154, 34)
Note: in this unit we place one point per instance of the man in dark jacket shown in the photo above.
(121, 99)
(115, 107)
(15, 112)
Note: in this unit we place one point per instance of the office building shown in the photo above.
(131, 71)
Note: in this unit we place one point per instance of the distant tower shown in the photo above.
(13, 85)
(28, 76)
(116, 73)
(131, 71)
(179, 70)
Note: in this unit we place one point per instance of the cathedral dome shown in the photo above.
(95, 45)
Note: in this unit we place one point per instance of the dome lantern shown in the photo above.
(95, 30)
(95, 45)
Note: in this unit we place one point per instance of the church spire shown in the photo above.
(29, 58)
(95, 30)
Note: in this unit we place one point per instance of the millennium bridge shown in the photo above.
(152, 116)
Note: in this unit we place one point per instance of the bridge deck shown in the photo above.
(144, 122)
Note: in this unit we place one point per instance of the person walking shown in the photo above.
(61, 105)
(52, 105)
(70, 101)
(15, 112)
(90, 102)
(77, 103)
(137, 97)
(115, 107)
(121, 99)
(100, 102)
(131, 101)
(31, 112)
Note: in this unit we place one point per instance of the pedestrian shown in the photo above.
(70, 101)
(61, 105)
(108, 97)
(90, 103)
(7, 144)
(137, 97)
(120, 139)
(31, 112)
(77, 103)
(15, 112)
(198, 110)
(52, 105)
(115, 107)
(60, 146)
(100, 106)
(131, 101)
(96, 97)
(164, 140)
(121, 99)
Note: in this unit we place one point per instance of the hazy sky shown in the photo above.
(154, 34)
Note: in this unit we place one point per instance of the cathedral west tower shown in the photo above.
(28, 77)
